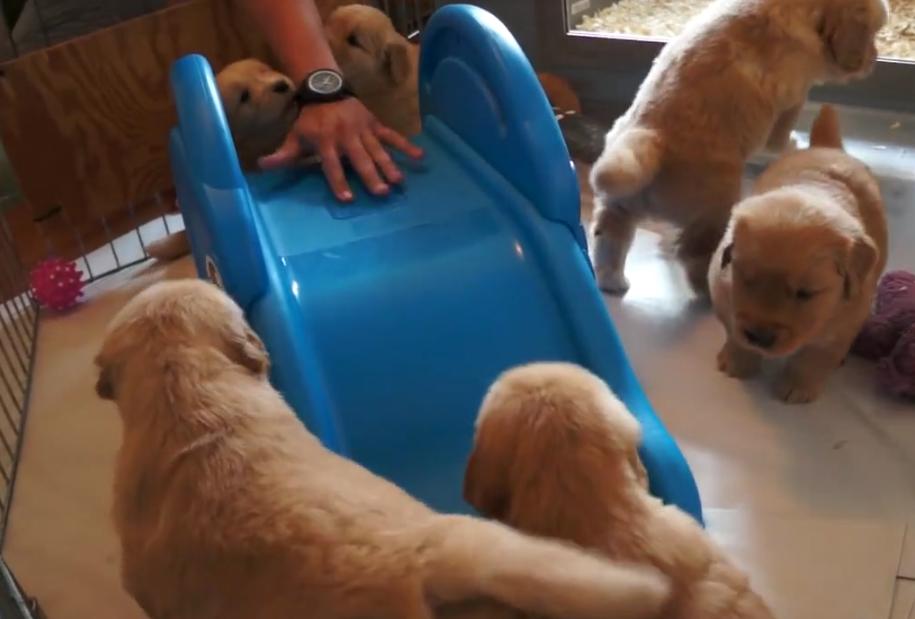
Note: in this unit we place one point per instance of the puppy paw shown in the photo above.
(738, 364)
(611, 281)
(792, 389)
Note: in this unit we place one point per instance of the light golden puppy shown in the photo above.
(796, 271)
(380, 65)
(732, 83)
(556, 456)
(228, 508)
(260, 108)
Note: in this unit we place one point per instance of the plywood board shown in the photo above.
(85, 124)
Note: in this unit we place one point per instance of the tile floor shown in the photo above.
(816, 502)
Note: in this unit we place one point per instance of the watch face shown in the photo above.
(325, 82)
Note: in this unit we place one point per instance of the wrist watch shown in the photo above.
(322, 86)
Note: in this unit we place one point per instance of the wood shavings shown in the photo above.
(665, 18)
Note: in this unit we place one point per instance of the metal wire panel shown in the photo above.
(107, 247)
(14, 604)
(18, 328)
(409, 16)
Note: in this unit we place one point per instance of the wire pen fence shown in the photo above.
(18, 331)
(28, 26)
(409, 16)
(14, 603)
(38, 24)
(31, 25)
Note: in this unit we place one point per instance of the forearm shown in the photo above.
(295, 32)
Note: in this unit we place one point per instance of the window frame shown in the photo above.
(609, 68)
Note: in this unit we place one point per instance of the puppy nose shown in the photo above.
(763, 338)
(281, 86)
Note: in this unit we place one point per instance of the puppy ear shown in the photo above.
(486, 482)
(397, 61)
(847, 36)
(859, 260)
(248, 350)
(104, 386)
(727, 256)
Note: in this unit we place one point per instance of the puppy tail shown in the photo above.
(171, 247)
(826, 131)
(628, 164)
(469, 558)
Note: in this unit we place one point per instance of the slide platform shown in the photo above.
(387, 319)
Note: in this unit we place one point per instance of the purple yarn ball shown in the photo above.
(894, 313)
(897, 371)
(877, 339)
(895, 287)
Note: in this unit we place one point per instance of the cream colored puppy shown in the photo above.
(228, 508)
(380, 65)
(732, 83)
(796, 272)
(260, 109)
(556, 456)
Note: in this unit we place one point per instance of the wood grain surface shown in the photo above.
(85, 123)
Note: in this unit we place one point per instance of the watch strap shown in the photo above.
(304, 95)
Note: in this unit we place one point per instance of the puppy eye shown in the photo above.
(804, 295)
(245, 96)
(352, 41)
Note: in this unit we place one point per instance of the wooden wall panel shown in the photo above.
(85, 123)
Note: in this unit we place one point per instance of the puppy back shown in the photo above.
(826, 131)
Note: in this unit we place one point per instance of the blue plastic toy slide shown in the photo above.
(387, 319)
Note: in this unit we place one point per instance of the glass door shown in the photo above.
(610, 44)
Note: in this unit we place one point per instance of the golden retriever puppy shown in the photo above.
(555, 455)
(228, 508)
(380, 65)
(732, 83)
(260, 108)
(797, 269)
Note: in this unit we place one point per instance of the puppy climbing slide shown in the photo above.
(387, 319)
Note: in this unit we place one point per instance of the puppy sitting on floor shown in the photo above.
(796, 272)
(380, 65)
(228, 508)
(260, 108)
(730, 84)
(555, 455)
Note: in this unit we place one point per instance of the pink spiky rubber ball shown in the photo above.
(56, 283)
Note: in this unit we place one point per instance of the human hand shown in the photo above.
(344, 128)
